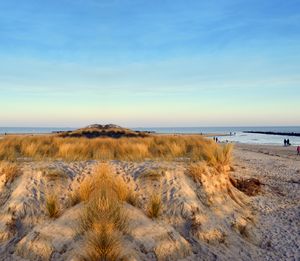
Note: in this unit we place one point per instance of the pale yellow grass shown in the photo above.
(165, 147)
(154, 206)
(102, 244)
(52, 206)
(103, 208)
(9, 170)
(197, 170)
(103, 176)
(104, 219)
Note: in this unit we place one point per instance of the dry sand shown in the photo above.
(211, 220)
(278, 206)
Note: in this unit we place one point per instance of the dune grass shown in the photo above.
(104, 176)
(52, 206)
(197, 170)
(104, 220)
(165, 147)
(103, 208)
(154, 206)
(10, 171)
(102, 244)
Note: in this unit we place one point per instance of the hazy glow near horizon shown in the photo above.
(149, 63)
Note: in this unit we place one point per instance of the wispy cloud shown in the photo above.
(169, 56)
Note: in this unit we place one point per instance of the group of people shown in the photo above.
(216, 139)
(287, 142)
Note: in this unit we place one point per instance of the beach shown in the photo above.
(149, 130)
(278, 205)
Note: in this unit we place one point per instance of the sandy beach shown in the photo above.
(149, 130)
(278, 205)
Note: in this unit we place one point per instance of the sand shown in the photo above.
(207, 220)
(278, 206)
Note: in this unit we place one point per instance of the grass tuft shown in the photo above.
(103, 222)
(85, 189)
(154, 206)
(197, 170)
(52, 206)
(10, 171)
(103, 176)
(104, 219)
(102, 244)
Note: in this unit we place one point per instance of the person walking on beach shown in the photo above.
(284, 142)
(288, 142)
(298, 150)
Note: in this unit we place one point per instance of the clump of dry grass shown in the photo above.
(154, 206)
(85, 189)
(219, 156)
(52, 206)
(102, 244)
(10, 170)
(102, 176)
(197, 170)
(167, 147)
(103, 208)
(104, 219)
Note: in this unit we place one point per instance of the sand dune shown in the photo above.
(201, 219)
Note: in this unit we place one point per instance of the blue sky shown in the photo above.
(149, 63)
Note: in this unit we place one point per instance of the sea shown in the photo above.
(237, 133)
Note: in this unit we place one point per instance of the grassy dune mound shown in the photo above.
(97, 130)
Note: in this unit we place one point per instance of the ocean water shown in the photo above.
(31, 130)
(239, 135)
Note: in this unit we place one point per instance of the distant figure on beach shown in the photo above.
(298, 150)
(284, 142)
(288, 142)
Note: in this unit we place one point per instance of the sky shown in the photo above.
(141, 63)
